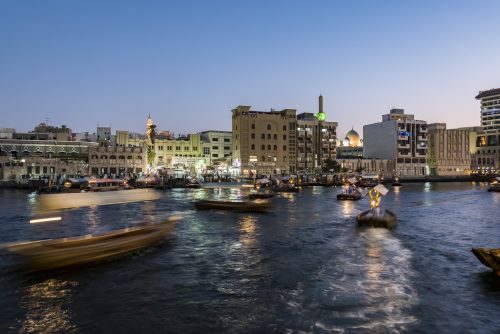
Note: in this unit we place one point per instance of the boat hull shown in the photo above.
(490, 257)
(348, 197)
(245, 206)
(57, 253)
(383, 218)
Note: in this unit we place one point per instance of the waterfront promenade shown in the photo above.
(304, 267)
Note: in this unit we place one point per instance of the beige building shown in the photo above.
(117, 160)
(449, 152)
(183, 152)
(264, 142)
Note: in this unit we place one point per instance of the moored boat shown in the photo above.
(490, 257)
(241, 206)
(63, 252)
(495, 185)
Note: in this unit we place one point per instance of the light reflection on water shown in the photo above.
(304, 267)
(46, 306)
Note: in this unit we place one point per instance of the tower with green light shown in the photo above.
(321, 116)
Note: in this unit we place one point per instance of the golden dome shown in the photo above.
(353, 138)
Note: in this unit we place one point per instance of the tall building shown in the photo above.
(490, 110)
(264, 142)
(398, 137)
(316, 140)
(448, 153)
(486, 152)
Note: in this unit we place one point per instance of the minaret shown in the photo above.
(321, 116)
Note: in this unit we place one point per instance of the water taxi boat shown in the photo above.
(95, 185)
(240, 206)
(495, 185)
(57, 253)
(490, 257)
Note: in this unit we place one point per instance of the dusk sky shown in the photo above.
(188, 63)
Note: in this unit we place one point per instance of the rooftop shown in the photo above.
(486, 93)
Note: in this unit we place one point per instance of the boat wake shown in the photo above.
(367, 289)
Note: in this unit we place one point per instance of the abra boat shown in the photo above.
(349, 193)
(495, 185)
(95, 185)
(240, 206)
(57, 253)
(490, 257)
(377, 217)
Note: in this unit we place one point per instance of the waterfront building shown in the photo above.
(449, 152)
(183, 152)
(264, 142)
(217, 150)
(43, 157)
(316, 141)
(85, 136)
(486, 152)
(398, 137)
(383, 167)
(351, 147)
(104, 137)
(117, 160)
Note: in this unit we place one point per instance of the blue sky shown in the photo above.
(188, 63)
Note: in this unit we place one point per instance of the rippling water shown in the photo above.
(304, 268)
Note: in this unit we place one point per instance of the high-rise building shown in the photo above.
(448, 153)
(486, 150)
(316, 140)
(264, 142)
(399, 137)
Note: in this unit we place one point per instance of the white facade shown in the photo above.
(401, 138)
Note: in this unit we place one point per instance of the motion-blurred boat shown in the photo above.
(57, 253)
(264, 195)
(48, 202)
(98, 185)
(241, 206)
(490, 257)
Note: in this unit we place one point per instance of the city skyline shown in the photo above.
(190, 64)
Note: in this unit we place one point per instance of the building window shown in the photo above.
(253, 146)
(215, 139)
(215, 147)
(215, 155)
(227, 148)
(275, 137)
(263, 147)
(160, 148)
(253, 135)
(268, 136)
(253, 126)
(262, 136)
(177, 148)
(269, 147)
(226, 140)
(269, 126)
(169, 148)
(206, 150)
(263, 158)
(275, 147)
(186, 148)
(284, 147)
(284, 136)
(284, 127)
(195, 148)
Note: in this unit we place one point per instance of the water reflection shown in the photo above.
(347, 208)
(46, 307)
(387, 282)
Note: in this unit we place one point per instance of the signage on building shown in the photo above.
(404, 134)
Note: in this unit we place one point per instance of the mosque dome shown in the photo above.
(353, 139)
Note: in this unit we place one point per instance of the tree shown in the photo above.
(331, 165)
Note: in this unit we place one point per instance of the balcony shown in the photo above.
(407, 145)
